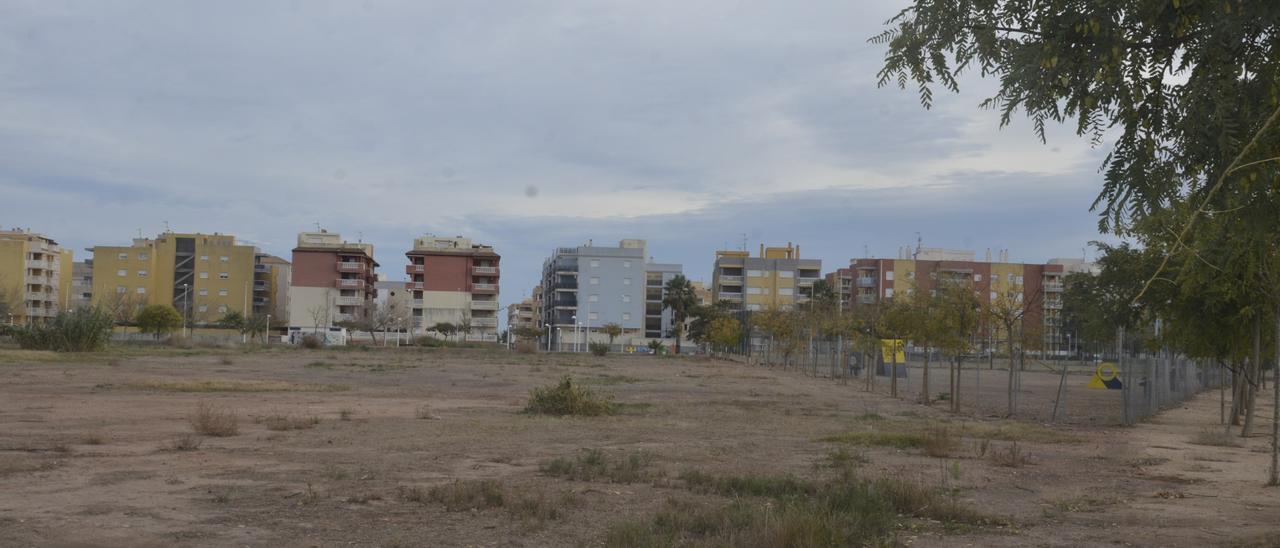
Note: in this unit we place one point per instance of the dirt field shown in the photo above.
(343, 447)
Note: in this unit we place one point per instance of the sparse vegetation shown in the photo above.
(345, 414)
(424, 412)
(211, 420)
(598, 349)
(311, 342)
(596, 465)
(460, 496)
(228, 385)
(568, 398)
(1011, 456)
(281, 423)
(1215, 438)
(183, 442)
(85, 329)
(94, 438)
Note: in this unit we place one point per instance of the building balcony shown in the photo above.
(351, 266)
(484, 288)
(349, 283)
(484, 322)
(261, 286)
(415, 269)
(261, 268)
(805, 282)
(349, 301)
(734, 297)
(1053, 305)
(484, 305)
(413, 285)
(866, 299)
(490, 270)
(1053, 287)
(725, 279)
(40, 296)
(41, 265)
(344, 318)
(565, 303)
(866, 282)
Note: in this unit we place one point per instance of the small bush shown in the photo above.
(939, 443)
(656, 347)
(311, 341)
(567, 398)
(183, 442)
(94, 438)
(526, 347)
(598, 349)
(1012, 456)
(211, 420)
(226, 360)
(345, 414)
(85, 329)
(424, 412)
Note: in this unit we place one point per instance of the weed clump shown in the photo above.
(594, 465)
(211, 420)
(568, 398)
(282, 423)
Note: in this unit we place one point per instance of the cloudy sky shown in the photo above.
(524, 124)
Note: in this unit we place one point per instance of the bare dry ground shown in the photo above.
(348, 447)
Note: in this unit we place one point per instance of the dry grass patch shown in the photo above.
(230, 385)
(595, 465)
(11, 465)
(282, 423)
(212, 420)
(568, 398)
(182, 442)
(1011, 456)
(1214, 438)
(940, 438)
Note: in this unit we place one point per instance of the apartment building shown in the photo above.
(331, 281)
(591, 286)
(520, 315)
(776, 279)
(454, 280)
(841, 282)
(271, 280)
(35, 276)
(701, 292)
(204, 276)
(81, 284)
(1039, 286)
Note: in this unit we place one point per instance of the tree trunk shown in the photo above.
(1237, 394)
(924, 385)
(955, 384)
(893, 368)
(1012, 372)
(1275, 408)
(1255, 369)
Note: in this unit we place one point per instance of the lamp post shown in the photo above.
(266, 335)
(186, 308)
(574, 320)
(548, 337)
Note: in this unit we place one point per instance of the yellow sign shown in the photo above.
(888, 348)
(1106, 377)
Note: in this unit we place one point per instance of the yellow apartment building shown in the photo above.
(204, 276)
(35, 276)
(777, 279)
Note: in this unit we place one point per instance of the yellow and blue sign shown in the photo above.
(1107, 377)
(890, 347)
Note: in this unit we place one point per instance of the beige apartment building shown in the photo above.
(35, 277)
(776, 279)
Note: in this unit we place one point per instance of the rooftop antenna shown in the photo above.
(318, 229)
(744, 241)
(360, 237)
(865, 252)
(166, 226)
(919, 243)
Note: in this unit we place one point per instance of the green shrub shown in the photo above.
(81, 330)
(567, 398)
(158, 319)
(656, 347)
(311, 341)
(598, 349)
(594, 465)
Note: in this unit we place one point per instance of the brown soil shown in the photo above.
(86, 452)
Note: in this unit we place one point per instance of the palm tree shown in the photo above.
(612, 330)
(680, 298)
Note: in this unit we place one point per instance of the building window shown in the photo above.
(204, 292)
(626, 298)
(785, 291)
(977, 277)
(753, 307)
(1018, 280)
(626, 281)
(626, 316)
(204, 257)
(122, 272)
(754, 273)
(626, 264)
(224, 258)
(204, 275)
(786, 274)
(224, 276)
(202, 308)
(222, 293)
(120, 289)
(595, 263)
(123, 256)
(142, 273)
(143, 256)
(753, 290)
(222, 309)
(594, 316)
(595, 280)
(910, 275)
(888, 275)
(593, 298)
(142, 291)
(1010, 275)
(993, 295)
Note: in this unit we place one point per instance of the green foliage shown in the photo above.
(527, 333)
(611, 329)
(679, 297)
(596, 465)
(598, 349)
(567, 398)
(232, 320)
(445, 328)
(724, 333)
(84, 329)
(656, 347)
(159, 319)
(1183, 84)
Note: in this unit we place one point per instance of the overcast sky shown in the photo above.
(524, 125)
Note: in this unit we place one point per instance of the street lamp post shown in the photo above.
(186, 309)
(574, 319)
(244, 334)
(266, 335)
